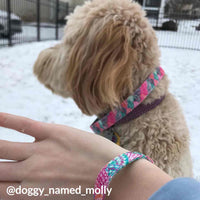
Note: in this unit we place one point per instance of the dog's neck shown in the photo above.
(131, 108)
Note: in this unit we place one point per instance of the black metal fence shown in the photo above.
(31, 20)
(37, 20)
(177, 30)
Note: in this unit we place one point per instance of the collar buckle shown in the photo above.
(111, 135)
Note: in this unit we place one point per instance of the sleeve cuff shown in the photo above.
(180, 188)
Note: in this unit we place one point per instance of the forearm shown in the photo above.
(71, 157)
(138, 180)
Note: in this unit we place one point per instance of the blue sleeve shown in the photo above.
(178, 189)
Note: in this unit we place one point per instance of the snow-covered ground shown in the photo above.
(29, 34)
(186, 37)
(22, 94)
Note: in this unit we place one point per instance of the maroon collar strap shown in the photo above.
(140, 110)
(137, 112)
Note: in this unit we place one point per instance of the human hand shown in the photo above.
(60, 157)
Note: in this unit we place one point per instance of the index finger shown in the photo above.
(39, 130)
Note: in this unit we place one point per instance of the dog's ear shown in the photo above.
(99, 74)
(50, 69)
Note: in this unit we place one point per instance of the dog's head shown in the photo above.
(108, 50)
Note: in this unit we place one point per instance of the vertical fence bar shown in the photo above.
(67, 8)
(38, 20)
(9, 31)
(57, 18)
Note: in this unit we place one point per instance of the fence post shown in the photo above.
(67, 8)
(9, 31)
(158, 18)
(57, 18)
(38, 20)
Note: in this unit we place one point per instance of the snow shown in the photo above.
(22, 94)
(186, 37)
(3, 14)
(29, 34)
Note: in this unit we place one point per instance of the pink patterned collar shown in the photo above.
(129, 105)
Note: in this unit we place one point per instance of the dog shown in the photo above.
(108, 50)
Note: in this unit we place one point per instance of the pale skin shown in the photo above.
(62, 156)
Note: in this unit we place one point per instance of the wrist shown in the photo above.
(98, 162)
(112, 168)
(138, 180)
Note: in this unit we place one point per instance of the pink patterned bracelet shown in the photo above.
(111, 169)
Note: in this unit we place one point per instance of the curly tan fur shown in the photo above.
(109, 48)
